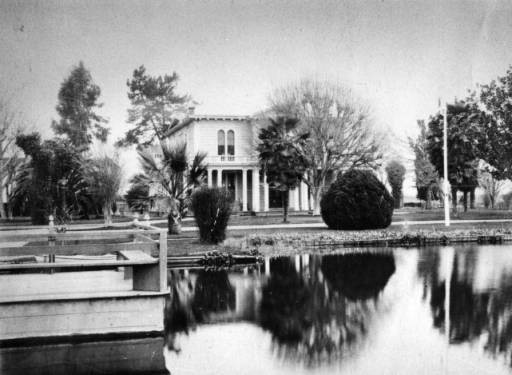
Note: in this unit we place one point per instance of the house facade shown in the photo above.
(230, 145)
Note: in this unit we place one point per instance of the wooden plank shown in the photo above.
(86, 234)
(143, 238)
(88, 264)
(85, 249)
(162, 257)
(135, 255)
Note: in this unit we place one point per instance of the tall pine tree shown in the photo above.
(78, 100)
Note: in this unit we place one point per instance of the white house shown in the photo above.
(230, 144)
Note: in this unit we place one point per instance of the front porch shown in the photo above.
(251, 191)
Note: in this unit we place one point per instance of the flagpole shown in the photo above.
(445, 167)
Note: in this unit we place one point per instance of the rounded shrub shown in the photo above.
(357, 200)
(212, 209)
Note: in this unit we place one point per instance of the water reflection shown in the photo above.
(477, 293)
(321, 312)
(423, 311)
(317, 309)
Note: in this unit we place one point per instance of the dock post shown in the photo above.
(162, 257)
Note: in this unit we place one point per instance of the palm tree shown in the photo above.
(175, 177)
(282, 156)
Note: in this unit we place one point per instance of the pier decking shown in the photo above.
(82, 283)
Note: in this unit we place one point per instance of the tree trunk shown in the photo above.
(107, 214)
(454, 199)
(174, 219)
(428, 204)
(2, 208)
(397, 198)
(284, 199)
(491, 198)
(9, 210)
(472, 199)
(173, 224)
(317, 196)
(465, 200)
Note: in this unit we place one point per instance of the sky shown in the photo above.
(400, 57)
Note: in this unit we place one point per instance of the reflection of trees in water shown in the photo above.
(192, 303)
(474, 315)
(212, 293)
(358, 276)
(322, 316)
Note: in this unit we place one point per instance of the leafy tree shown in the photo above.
(52, 179)
(339, 127)
(78, 100)
(156, 108)
(427, 179)
(282, 156)
(396, 174)
(465, 137)
(496, 99)
(175, 177)
(137, 197)
(103, 176)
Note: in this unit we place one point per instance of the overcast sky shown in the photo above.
(401, 56)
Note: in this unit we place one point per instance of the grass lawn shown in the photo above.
(399, 216)
(188, 243)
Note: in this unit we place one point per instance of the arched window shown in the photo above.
(231, 142)
(221, 142)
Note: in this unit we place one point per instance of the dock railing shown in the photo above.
(144, 249)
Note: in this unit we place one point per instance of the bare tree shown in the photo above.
(340, 130)
(491, 185)
(10, 162)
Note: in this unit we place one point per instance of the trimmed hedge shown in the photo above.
(212, 209)
(357, 200)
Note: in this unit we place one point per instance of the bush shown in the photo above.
(212, 208)
(357, 200)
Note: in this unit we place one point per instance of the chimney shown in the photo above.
(191, 110)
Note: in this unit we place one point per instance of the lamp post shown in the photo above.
(445, 167)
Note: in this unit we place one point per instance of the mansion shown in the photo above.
(230, 145)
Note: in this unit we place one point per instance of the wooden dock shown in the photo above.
(82, 283)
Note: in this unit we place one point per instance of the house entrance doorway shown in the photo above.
(274, 198)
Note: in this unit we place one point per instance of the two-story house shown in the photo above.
(230, 144)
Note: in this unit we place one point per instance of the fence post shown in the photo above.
(162, 257)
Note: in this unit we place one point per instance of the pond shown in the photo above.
(445, 310)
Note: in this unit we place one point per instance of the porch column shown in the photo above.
(244, 190)
(210, 182)
(265, 193)
(293, 197)
(296, 199)
(304, 196)
(255, 189)
(219, 178)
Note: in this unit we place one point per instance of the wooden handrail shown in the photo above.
(149, 274)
